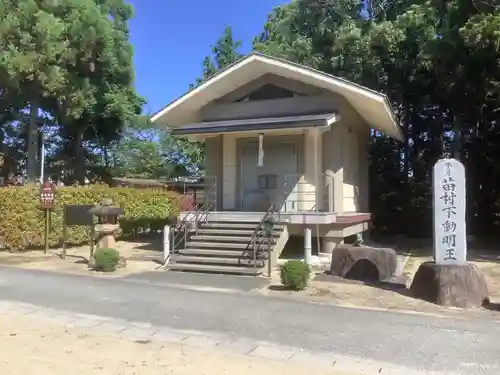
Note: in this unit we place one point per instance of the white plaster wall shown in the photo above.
(351, 173)
(213, 169)
(269, 108)
(333, 154)
(307, 188)
(342, 152)
(364, 156)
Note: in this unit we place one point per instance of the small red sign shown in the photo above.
(47, 195)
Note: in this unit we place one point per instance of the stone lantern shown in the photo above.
(107, 228)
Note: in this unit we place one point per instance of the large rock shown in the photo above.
(363, 263)
(460, 285)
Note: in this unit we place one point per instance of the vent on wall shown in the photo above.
(267, 92)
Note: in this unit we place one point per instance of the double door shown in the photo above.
(260, 186)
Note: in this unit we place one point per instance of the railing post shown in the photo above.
(166, 243)
(254, 253)
(307, 246)
(269, 261)
(215, 193)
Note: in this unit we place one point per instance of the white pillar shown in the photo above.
(228, 172)
(308, 245)
(42, 160)
(330, 181)
(166, 243)
(318, 167)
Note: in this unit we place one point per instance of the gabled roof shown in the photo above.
(373, 106)
(324, 121)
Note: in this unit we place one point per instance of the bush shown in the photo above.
(295, 274)
(22, 222)
(106, 260)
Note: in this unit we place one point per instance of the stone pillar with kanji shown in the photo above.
(450, 280)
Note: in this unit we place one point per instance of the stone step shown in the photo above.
(210, 268)
(221, 245)
(219, 253)
(232, 232)
(233, 225)
(236, 239)
(245, 262)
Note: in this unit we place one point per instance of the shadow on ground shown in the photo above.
(149, 242)
(492, 306)
(395, 285)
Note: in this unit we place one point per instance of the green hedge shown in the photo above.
(22, 222)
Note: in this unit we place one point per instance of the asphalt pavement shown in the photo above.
(407, 341)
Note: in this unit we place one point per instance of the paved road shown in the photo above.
(412, 342)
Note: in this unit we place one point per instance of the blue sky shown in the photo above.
(172, 37)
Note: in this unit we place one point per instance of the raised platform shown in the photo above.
(298, 218)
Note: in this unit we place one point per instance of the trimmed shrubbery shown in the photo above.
(22, 222)
(106, 260)
(295, 274)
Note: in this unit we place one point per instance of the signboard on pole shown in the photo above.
(47, 196)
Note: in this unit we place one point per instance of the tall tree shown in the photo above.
(144, 152)
(225, 52)
(33, 46)
(438, 62)
(102, 99)
(73, 60)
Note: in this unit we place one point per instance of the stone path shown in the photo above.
(354, 340)
(145, 332)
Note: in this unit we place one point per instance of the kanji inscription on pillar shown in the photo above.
(450, 244)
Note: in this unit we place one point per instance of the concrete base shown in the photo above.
(328, 244)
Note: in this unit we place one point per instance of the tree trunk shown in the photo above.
(80, 156)
(407, 145)
(33, 140)
(457, 139)
(106, 156)
(3, 154)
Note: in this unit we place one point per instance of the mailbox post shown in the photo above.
(47, 204)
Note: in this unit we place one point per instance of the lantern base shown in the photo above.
(106, 235)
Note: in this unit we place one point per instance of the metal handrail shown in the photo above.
(255, 239)
(180, 233)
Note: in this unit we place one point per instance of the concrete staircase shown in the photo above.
(219, 247)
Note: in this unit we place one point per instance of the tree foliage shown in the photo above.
(66, 70)
(224, 53)
(439, 63)
(146, 151)
(71, 60)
